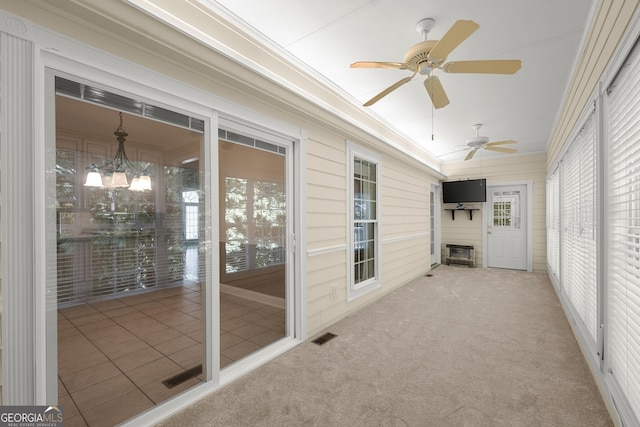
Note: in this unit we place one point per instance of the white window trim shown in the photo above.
(355, 291)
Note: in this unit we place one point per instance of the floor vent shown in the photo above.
(182, 377)
(324, 338)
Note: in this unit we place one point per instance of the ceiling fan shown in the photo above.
(429, 55)
(479, 142)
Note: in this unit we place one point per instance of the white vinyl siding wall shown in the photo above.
(404, 227)
(404, 221)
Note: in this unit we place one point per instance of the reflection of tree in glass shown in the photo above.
(266, 210)
(66, 201)
(269, 218)
(65, 179)
(236, 223)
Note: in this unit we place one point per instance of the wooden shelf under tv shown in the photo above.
(453, 212)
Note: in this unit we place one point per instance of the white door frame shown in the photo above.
(485, 206)
(436, 227)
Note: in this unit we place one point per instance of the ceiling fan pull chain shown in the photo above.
(432, 129)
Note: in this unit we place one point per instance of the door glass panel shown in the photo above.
(253, 229)
(130, 265)
(506, 210)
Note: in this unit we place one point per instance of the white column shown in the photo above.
(17, 211)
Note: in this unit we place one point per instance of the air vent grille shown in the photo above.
(182, 377)
(322, 339)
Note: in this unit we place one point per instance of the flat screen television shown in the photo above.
(469, 191)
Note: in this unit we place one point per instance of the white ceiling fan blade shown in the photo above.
(365, 64)
(471, 154)
(502, 150)
(506, 142)
(498, 66)
(436, 92)
(388, 90)
(458, 33)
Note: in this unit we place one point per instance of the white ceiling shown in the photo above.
(327, 36)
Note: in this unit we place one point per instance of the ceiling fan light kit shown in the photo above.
(427, 56)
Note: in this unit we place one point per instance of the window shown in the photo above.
(623, 309)
(577, 235)
(364, 218)
(553, 223)
(191, 202)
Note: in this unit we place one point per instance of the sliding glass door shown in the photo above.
(129, 270)
(253, 248)
(139, 306)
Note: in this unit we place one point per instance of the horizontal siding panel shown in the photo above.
(320, 192)
(329, 167)
(333, 149)
(399, 257)
(324, 219)
(406, 199)
(325, 260)
(320, 238)
(401, 231)
(323, 179)
(399, 271)
(326, 206)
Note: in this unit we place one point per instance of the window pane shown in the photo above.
(365, 206)
(124, 257)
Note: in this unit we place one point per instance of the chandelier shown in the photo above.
(113, 174)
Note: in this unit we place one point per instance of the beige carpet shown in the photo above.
(465, 347)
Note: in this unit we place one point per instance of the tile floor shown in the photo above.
(113, 355)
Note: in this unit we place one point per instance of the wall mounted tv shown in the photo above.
(469, 191)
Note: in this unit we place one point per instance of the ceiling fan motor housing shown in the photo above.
(417, 57)
(477, 142)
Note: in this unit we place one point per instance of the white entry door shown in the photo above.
(507, 227)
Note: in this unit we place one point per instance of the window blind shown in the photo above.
(623, 149)
(553, 223)
(578, 244)
(118, 243)
(569, 198)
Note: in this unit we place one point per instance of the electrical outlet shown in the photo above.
(334, 292)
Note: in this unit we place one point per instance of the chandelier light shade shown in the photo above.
(94, 179)
(113, 174)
